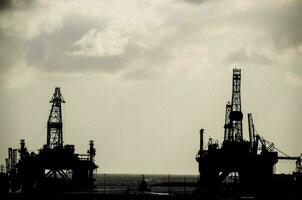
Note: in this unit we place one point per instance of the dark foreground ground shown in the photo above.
(87, 196)
(183, 187)
(83, 196)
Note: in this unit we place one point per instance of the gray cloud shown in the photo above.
(15, 4)
(5, 4)
(245, 57)
(11, 46)
(12, 36)
(50, 51)
(11, 52)
(286, 30)
(189, 31)
(282, 21)
(194, 1)
(289, 34)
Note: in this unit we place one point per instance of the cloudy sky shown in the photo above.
(142, 77)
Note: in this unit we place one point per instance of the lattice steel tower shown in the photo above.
(54, 123)
(236, 114)
(233, 114)
(227, 124)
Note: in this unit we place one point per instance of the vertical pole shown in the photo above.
(10, 157)
(201, 139)
(169, 180)
(104, 183)
(184, 184)
(91, 153)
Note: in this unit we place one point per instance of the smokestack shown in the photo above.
(201, 139)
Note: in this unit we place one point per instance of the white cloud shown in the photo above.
(100, 43)
(159, 36)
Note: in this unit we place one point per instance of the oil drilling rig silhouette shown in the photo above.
(238, 165)
(249, 163)
(56, 167)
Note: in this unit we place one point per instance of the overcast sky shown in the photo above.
(142, 77)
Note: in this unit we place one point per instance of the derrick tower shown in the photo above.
(54, 123)
(233, 115)
(56, 167)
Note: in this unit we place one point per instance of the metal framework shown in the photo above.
(251, 128)
(56, 167)
(54, 123)
(91, 153)
(227, 124)
(236, 156)
(236, 114)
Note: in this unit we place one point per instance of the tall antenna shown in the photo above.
(54, 123)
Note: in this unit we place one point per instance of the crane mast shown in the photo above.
(227, 124)
(251, 128)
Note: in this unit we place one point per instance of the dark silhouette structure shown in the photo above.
(237, 166)
(4, 184)
(233, 125)
(56, 167)
(54, 123)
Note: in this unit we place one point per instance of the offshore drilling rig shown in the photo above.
(56, 167)
(249, 164)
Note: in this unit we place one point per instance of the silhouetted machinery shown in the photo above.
(247, 164)
(56, 167)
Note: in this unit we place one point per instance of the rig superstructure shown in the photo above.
(248, 164)
(56, 167)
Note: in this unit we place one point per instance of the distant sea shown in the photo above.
(129, 183)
